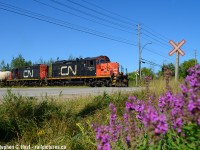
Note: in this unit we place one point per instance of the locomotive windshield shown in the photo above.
(103, 60)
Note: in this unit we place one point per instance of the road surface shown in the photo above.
(66, 91)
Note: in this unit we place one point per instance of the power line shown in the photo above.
(155, 35)
(157, 53)
(110, 12)
(82, 17)
(103, 14)
(160, 36)
(156, 40)
(91, 15)
(150, 62)
(54, 21)
(147, 39)
(157, 32)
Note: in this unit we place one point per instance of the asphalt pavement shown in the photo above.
(67, 91)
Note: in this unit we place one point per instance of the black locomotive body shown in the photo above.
(72, 68)
(92, 71)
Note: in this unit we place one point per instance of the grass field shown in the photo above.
(79, 123)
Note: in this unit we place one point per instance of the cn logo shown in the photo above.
(28, 73)
(65, 70)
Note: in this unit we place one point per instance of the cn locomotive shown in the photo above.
(91, 71)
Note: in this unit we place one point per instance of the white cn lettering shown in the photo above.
(28, 73)
(68, 69)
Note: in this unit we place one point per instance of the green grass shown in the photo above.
(60, 120)
(54, 121)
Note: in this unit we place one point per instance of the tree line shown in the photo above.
(19, 61)
(183, 70)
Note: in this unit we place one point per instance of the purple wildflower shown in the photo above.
(114, 128)
(164, 101)
(191, 106)
(139, 108)
(161, 125)
(126, 129)
(198, 103)
(102, 137)
(129, 106)
(132, 98)
(183, 88)
(158, 122)
(178, 124)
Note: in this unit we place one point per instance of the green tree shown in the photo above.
(170, 66)
(132, 76)
(147, 72)
(50, 61)
(185, 66)
(19, 61)
(2, 65)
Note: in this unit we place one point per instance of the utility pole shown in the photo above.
(139, 48)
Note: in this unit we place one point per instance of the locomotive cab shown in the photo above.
(110, 69)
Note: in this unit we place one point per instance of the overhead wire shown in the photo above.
(159, 42)
(150, 62)
(100, 13)
(83, 29)
(157, 53)
(91, 15)
(162, 40)
(156, 32)
(51, 20)
(110, 26)
(110, 12)
(154, 35)
(150, 40)
(161, 37)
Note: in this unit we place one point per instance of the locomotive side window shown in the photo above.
(91, 63)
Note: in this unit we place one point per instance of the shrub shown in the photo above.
(22, 115)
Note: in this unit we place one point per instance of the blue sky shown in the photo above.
(161, 21)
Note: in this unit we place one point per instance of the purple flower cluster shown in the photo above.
(115, 127)
(164, 101)
(191, 93)
(107, 134)
(173, 107)
(177, 112)
(153, 119)
(174, 110)
(102, 137)
(139, 108)
(126, 129)
(147, 115)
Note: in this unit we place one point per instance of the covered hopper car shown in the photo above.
(91, 71)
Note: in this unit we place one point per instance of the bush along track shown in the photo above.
(172, 122)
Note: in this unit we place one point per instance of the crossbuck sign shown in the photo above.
(177, 50)
(177, 47)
